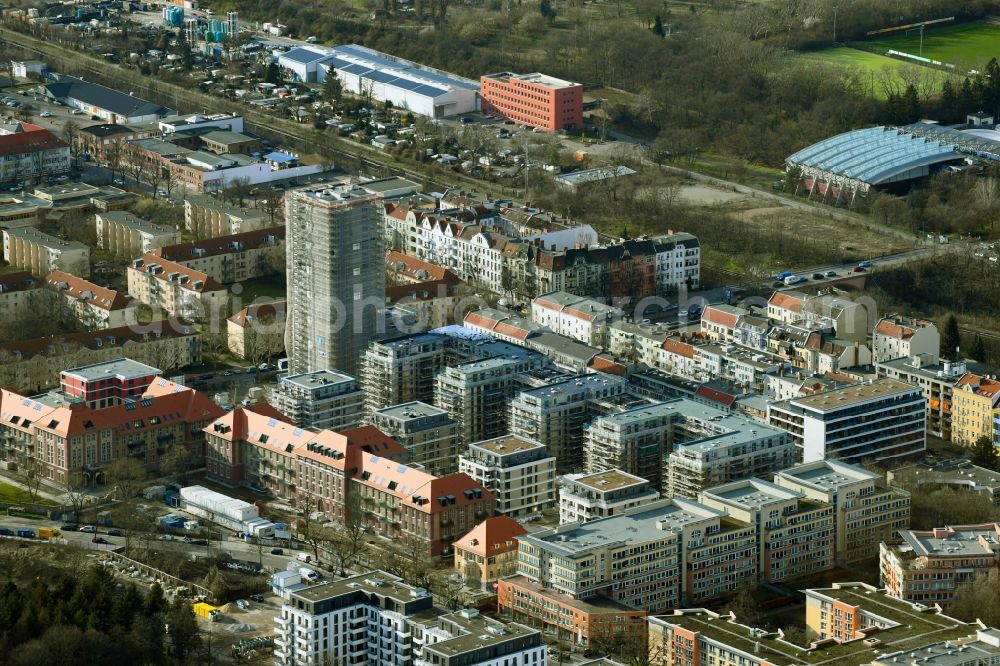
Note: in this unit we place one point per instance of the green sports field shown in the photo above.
(969, 44)
(877, 73)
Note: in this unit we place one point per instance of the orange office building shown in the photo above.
(535, 100)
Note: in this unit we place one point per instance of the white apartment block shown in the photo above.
(126, 235)
(641, 343)
(867, 511)
(795, 533)
(364, 619)
(849, 319)
(878, 420)
(518, 471)
(376, 619)
(583, 319)
(37, 252)
(320, 400)
(584, 497)
(175, 290)
(896, 336)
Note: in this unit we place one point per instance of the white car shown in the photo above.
(90, 529)
(76, 112)
(45, 114)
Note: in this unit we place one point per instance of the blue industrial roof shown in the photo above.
(303, 55)
(873, 155)
(383, 61)
(279, 157)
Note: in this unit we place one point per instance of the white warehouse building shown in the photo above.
(424, 90)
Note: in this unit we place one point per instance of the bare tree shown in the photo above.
(272, 203)
(30, 478)
(126, 475)
(71, 129)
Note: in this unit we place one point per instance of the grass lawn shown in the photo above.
(13, 495)
(967, 44)
(876, 68)
(268, 287)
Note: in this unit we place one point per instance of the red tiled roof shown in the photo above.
(19, 281)
(476, 319)
(248, 240)
(720, 317)
(677, 347)
(104, 338)
(420, 291)
(276, 309)
(411, 268)
(716, 396)
(33, 139)
(786, 301)
(173, 403)
(207, 283)
(511, 331)
(894, 329)
(492, 536)
(602, 363)
(84, 290)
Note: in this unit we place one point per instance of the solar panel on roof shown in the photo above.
(272, 422)
(401, 469)
(355, 69)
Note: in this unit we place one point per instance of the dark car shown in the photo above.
(101, 540)
(817, 276)
(277, 551)
(70, 528)
(859, 269)
(777, 285)
(831, 273)
(259, 598)
(467, 119)
(6, 532)
(115, 533)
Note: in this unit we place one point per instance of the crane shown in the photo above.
(909, 27)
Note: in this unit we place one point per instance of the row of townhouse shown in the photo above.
(69, 442)
(666, 554)
(530, 263)
(356, 474)
(34, 365)
(234, 258)
(848, 622)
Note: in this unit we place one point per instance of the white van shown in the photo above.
(304, 557)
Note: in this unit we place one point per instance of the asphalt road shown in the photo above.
(237, 548)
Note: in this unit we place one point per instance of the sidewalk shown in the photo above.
(44, 491)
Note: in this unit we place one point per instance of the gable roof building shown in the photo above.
(111, 105)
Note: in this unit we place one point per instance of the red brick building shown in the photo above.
(535, 100)
(68, 442)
